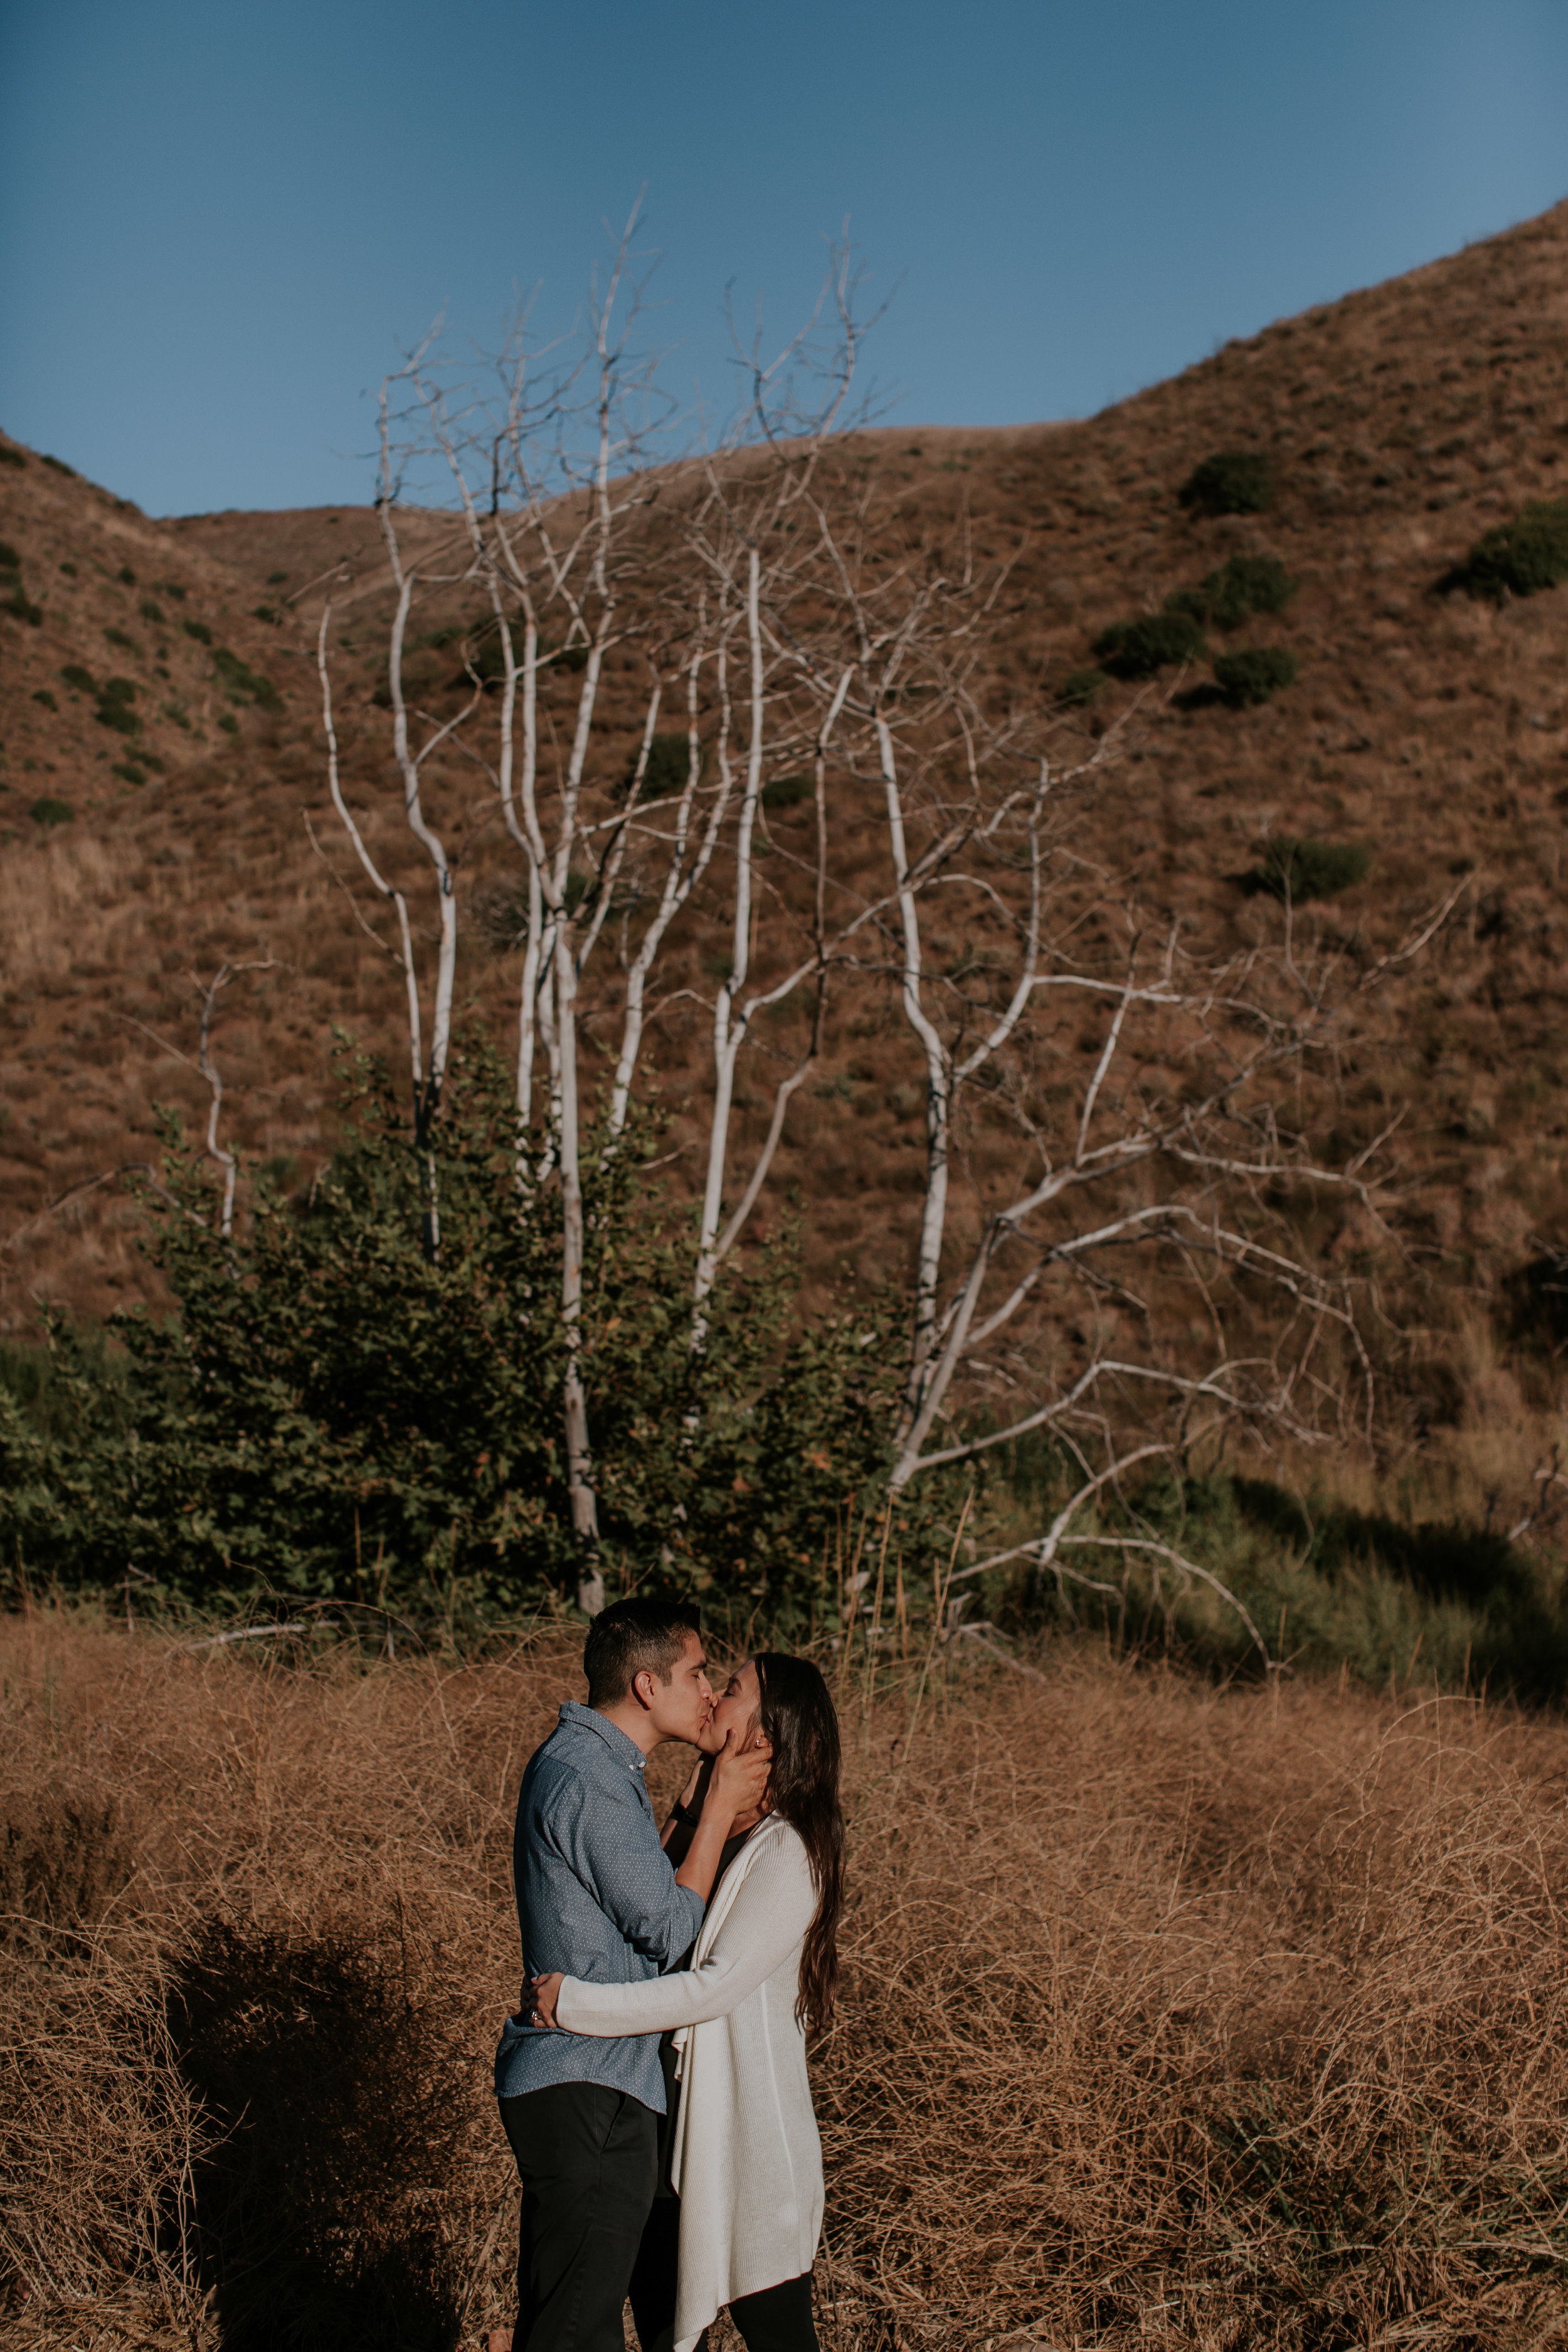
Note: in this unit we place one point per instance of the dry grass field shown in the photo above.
(1173, 2015)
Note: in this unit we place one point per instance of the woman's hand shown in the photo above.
(539, 1995)
(739, 1781)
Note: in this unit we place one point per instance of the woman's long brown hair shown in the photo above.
(798, 1718)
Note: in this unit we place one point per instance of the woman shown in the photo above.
(745, 2159)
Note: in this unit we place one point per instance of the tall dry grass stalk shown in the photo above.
(1171, 2016)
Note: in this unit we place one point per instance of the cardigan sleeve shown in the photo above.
(774, 1906)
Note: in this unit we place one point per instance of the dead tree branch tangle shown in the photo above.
(751, 769)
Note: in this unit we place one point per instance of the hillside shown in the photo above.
(1429, 730)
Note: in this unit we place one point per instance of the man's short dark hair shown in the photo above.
(632, 1636)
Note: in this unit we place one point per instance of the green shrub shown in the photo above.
(119, 717)
(9, 559)
(1133, 649)
(151, 611)
(41, 693)
(1300, 870)
(170, 588)
(228, 722)
(788, 791)
(199, 630)
(1519, 558)
(1081, 686)
(1247, 584)
(276, 579)
(669, 766)
(127, 575)
(11, 456)
(272, 613)
(242, 681)
(118, 689)
(1249, 678)
(130, 771)
(21, 609)
(1232, 481)
(120, 637)
(69, 571)
(59, 466)
(268, 1434)
(48, 811)
(82, 680)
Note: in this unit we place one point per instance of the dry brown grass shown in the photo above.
(1172, 2017)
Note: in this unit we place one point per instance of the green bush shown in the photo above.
(332, 1413)
(199, 630)
(1232, 481)
(9, 559)
(787, 792)
(170, 588)
(244, 683)
(228, 722)
(129, 772)
(1079, 686)
(1300, 870)
(1246, 584)
(11, 456)
(151, 611)
(22, 609)
(1249, 678)
(1134, 649)
(82, 680)
(669, 766)
(115, 698)
(49, 811)
(41, 693)
(120, 637)
(1519, 558)
(276, 579)
(126, 575)
(59, 466)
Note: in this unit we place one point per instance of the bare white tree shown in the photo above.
(760, 592)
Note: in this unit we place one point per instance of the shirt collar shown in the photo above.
(588, 1718)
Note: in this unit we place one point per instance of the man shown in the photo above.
(597, 1898)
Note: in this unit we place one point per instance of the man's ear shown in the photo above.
(642, 1686)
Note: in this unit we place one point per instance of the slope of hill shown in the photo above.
(1428, 730)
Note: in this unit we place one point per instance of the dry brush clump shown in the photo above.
(1171, 2015)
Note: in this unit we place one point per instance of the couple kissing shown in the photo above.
(653, 2083)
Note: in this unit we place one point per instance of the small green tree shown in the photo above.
(1232, 481)
(1519, 558)
(1135, 649)
(335, 1413)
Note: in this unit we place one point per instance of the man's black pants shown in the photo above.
(588, 2159)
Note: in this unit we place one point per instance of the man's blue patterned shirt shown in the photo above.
(595, 1898)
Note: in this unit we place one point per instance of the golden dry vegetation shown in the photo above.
(1172, 2016)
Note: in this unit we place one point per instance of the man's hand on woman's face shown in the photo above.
(539, 1995)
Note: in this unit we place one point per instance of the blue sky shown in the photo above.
(218, 224)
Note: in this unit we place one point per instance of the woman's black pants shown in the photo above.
(778, 2320)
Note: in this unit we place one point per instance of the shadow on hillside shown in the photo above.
(1521, 1641)
(314, 2222)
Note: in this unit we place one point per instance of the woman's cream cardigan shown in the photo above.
(747, 2160)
